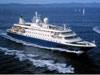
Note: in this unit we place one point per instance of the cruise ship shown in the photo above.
(40, 32)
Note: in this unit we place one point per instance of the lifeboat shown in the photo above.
(13, 28)
(20, 29)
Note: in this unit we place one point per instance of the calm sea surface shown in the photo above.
(17, 57)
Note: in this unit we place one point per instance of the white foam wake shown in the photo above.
(97, 29)
(2, 32)
(34, 45)
(48, 64)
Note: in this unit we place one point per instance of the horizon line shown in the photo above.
(54, 3)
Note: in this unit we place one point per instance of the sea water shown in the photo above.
(21, 57)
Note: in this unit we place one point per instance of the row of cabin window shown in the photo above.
(44, 31)
(38, 33)
(43, 38)
(42, 34)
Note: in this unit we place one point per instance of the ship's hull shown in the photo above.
(46, 43)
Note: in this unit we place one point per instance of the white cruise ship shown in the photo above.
(41, 33)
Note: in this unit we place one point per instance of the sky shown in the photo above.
(47, 1)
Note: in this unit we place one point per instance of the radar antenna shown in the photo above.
(37, 16)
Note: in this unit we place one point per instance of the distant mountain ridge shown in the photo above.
(52, 5)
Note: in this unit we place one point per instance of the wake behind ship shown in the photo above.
(41, 33)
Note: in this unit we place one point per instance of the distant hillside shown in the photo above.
(76, 5)
(14, 5)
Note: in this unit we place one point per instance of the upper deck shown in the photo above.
(43, 27)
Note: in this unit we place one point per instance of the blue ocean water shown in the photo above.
(20, 57)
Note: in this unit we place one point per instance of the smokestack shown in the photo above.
(21, 20)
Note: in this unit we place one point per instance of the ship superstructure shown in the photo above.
(45, 34)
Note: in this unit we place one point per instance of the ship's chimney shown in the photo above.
(21, 20)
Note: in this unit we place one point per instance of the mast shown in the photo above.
(37, 16)
(64, 27)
